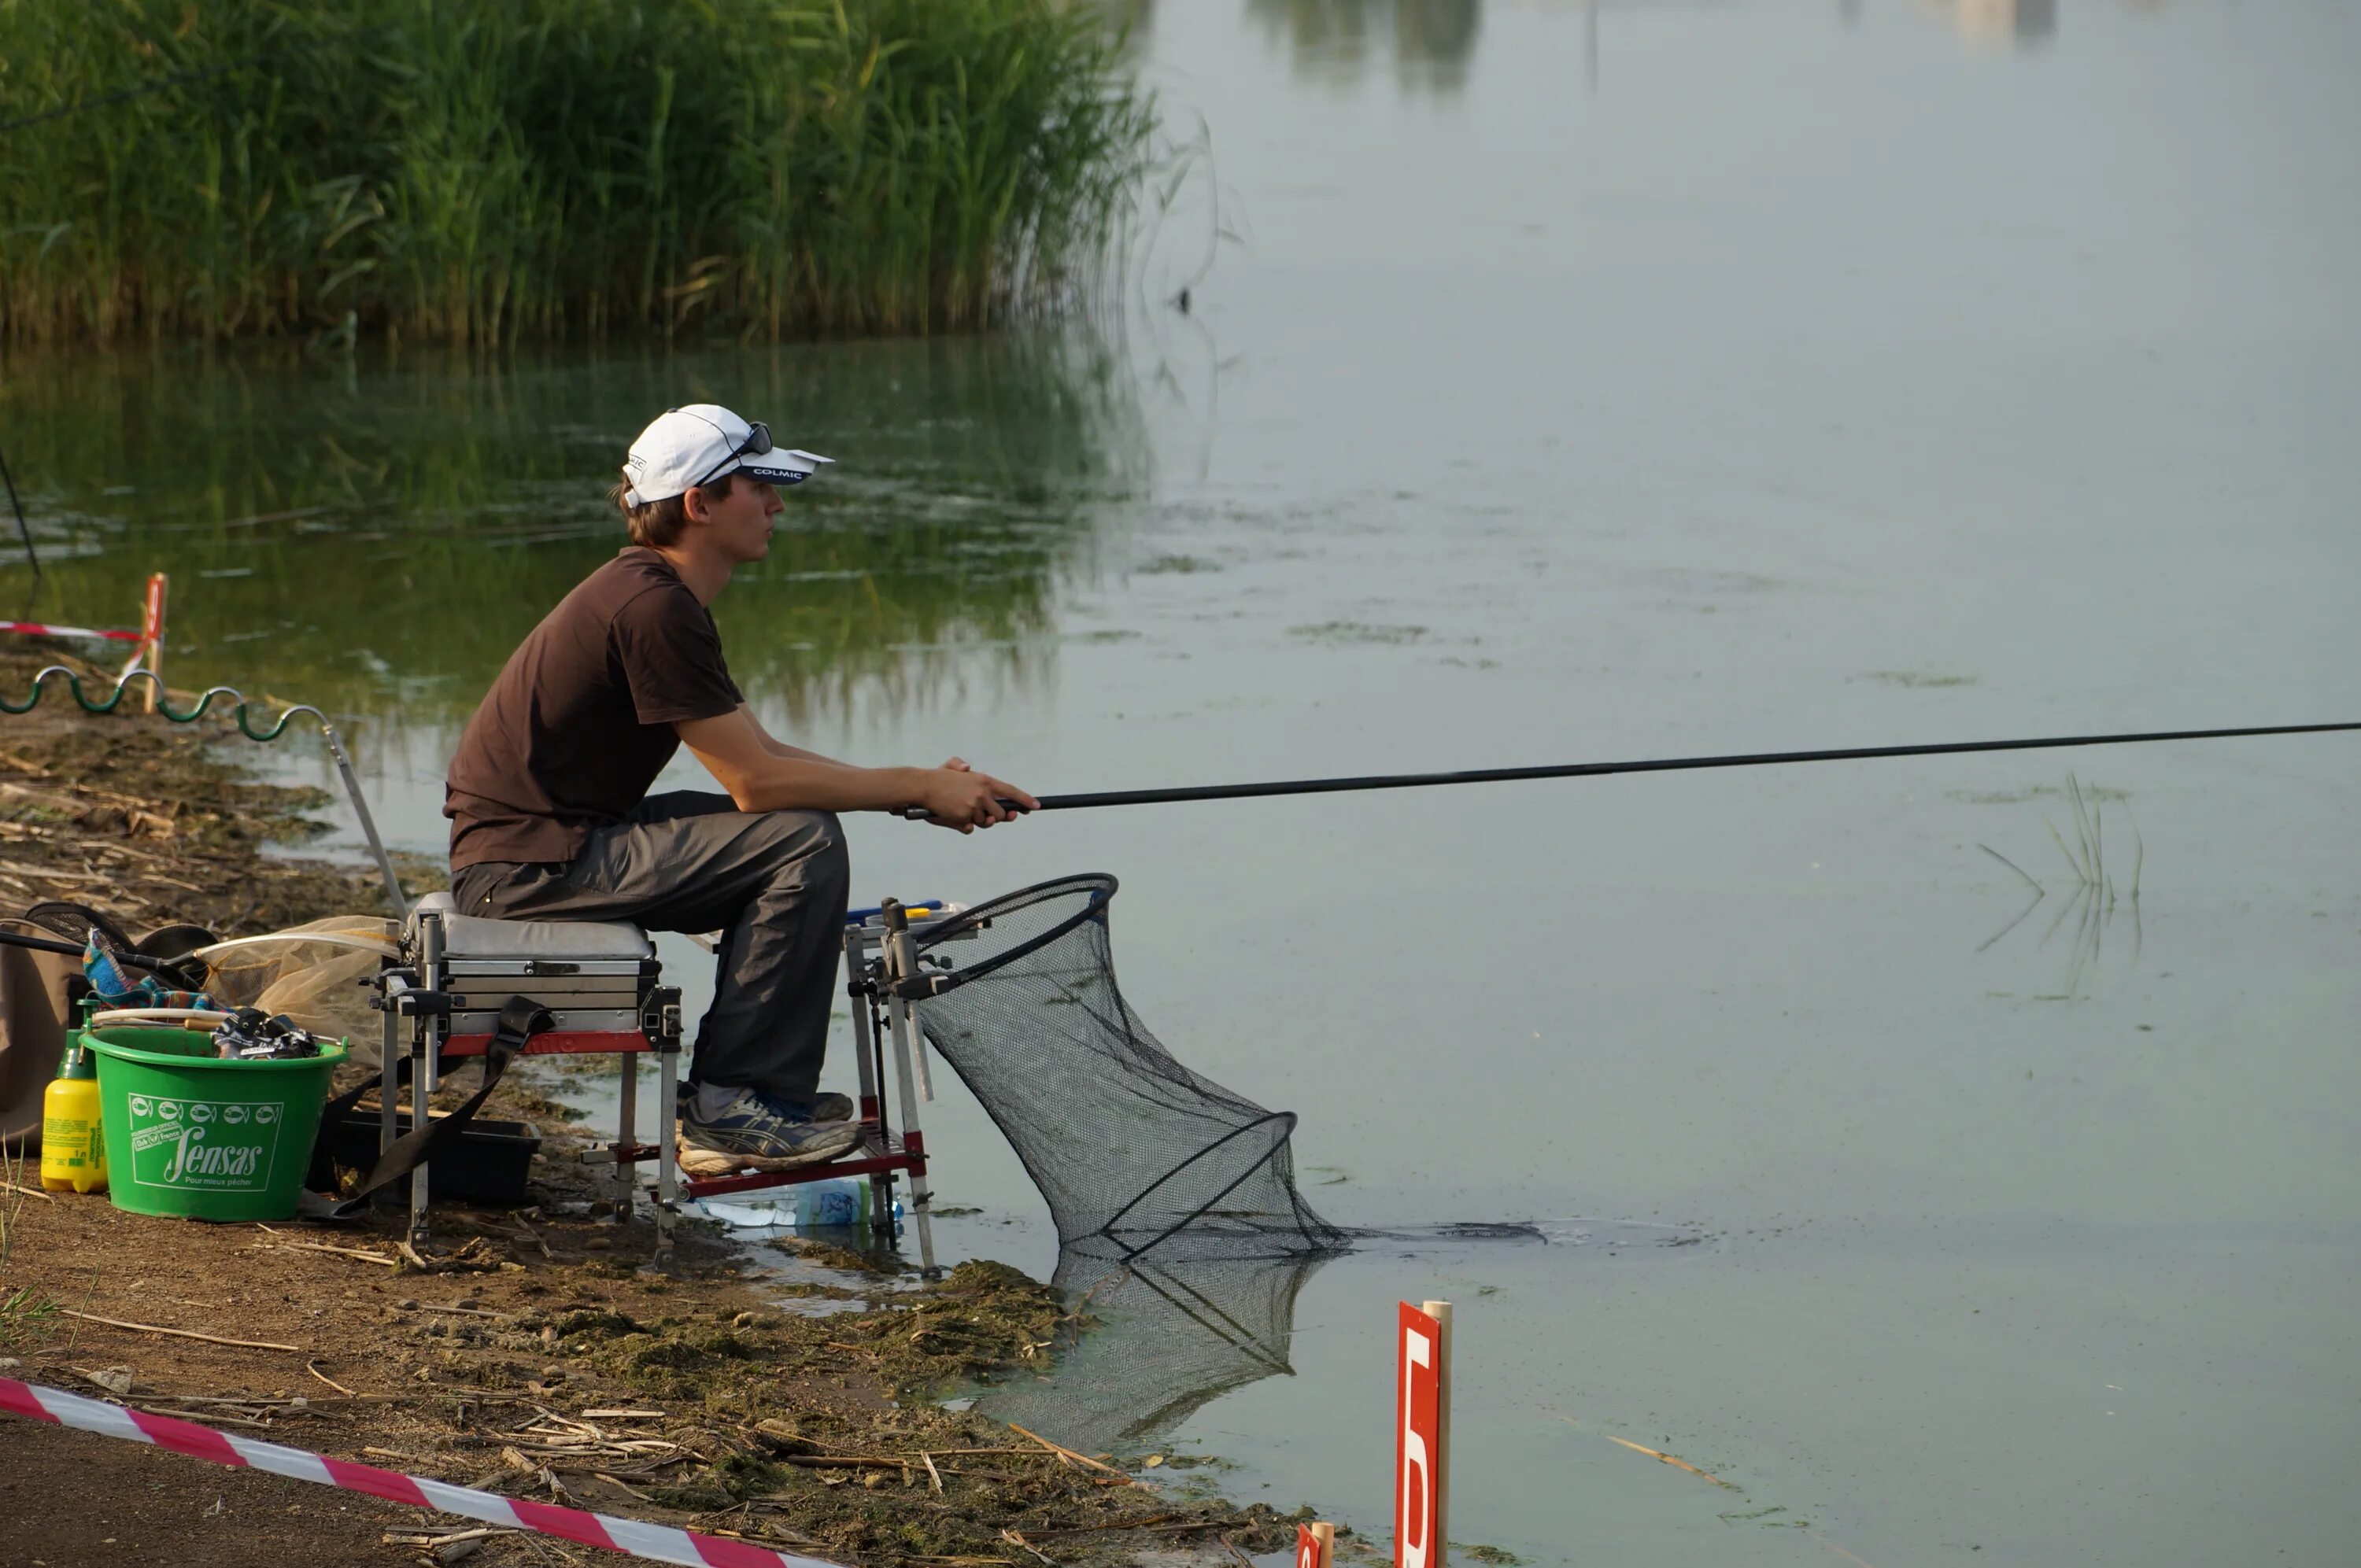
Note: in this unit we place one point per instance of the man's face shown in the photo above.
(740, 521)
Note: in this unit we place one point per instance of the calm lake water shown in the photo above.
(1583, 383)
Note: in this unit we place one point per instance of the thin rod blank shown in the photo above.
(23, 527)
(1661, 766)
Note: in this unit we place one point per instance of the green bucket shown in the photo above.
(189, 1133)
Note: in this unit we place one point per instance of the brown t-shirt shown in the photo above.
(580, 721)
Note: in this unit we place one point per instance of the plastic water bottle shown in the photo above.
(838, 1202)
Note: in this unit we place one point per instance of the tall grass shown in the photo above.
(26, 1313)
(476, 172)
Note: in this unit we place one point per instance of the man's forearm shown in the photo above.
(797, 754)
(805, 782)
(778, 748)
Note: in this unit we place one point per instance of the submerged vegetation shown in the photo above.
(484, 171)
(2091, 900)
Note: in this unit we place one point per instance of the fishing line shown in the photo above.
(23, 527)
(1658, 765)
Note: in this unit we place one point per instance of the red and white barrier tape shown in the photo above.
(662, 1542)
(38, 629)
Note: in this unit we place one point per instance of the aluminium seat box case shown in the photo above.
(593, 975)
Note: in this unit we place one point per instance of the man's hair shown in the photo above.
(659, 523)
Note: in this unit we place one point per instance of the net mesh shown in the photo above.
(1129, 1147)
(314, 973)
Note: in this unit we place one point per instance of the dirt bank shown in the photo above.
(536, 1355)
(142, 817)
(540, 1358)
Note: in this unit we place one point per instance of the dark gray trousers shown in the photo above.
(773, 883)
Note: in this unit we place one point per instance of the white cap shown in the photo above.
(694, 445)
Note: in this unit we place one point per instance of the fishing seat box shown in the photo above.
(594, 976)
(600, 981)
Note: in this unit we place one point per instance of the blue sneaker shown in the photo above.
(751, 1135)
(819, 1108)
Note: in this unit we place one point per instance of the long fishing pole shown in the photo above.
(1658, 765)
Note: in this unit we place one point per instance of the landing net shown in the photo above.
(1129, 1147)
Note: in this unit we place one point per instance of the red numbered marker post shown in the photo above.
(1423, 1433)
(1316, 1545)
(151, 634)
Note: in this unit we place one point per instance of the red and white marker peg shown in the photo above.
(1422, 1434)
(149, 637)
(1316, 1545)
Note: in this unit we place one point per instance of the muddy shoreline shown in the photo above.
(809, 1424)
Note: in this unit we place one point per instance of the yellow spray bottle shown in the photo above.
(74, 1145)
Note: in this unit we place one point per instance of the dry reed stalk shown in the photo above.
(215, 1417)
(377, 1257)
(630, 1491)
(1071, 1457)
(180, 1333)
(1118, 1524)
(1832, 1546)
(1675, 1464)
(1024, 1545)
(314, 1368)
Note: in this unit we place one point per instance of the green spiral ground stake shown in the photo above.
(205, 701)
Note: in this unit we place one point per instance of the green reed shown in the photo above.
(477, 171)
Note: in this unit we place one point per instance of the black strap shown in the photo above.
(521, 1019)
(322, 1177)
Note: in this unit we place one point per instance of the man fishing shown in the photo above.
(551, 817)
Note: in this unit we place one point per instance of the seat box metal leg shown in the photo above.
(426, 1051)
(868, 1107)
(422, 1073)
(901, 963)
(871, 1109)
(912, 1140)
(667, 1042)
(627, 1094)
(668, 1186)
(389, 1077)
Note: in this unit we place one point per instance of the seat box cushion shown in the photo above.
(473, 937)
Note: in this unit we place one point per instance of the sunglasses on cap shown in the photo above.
(757, 442)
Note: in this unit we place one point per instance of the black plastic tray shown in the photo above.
(488, 1164)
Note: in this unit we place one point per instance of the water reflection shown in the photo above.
(2018, 21)
(1430, 41)
(1171, 1331)
(1206, 1313)
(2098, 888)
(375, 533)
